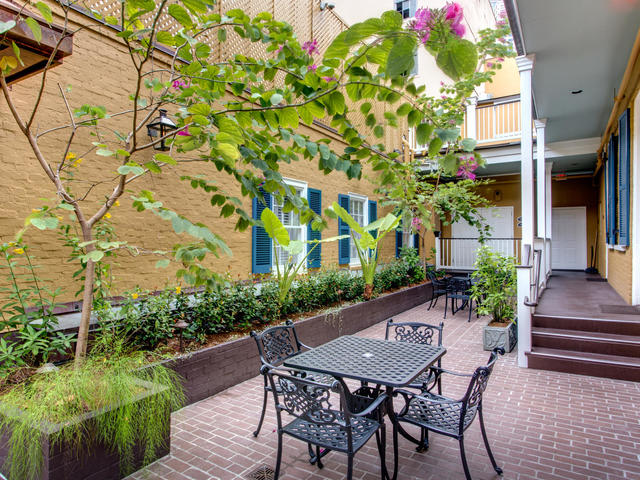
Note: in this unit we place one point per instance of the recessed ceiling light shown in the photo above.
(576, 92)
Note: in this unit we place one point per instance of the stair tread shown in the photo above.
(586, 356)
(586, 335)
(591, 319)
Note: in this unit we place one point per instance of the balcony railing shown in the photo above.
(495, 123)
(498, 122)
(461, 253)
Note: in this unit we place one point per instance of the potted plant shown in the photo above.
(494, 291)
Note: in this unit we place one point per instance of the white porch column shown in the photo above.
(541, 196)
(548, 215)
(471, 121)
(438, 262)
(525, 66)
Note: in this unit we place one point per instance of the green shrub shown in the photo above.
(410, 257)
(494, 288)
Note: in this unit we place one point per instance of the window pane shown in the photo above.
(291, 222)
(356, 209)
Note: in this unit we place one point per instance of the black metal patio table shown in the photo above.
(381, 362)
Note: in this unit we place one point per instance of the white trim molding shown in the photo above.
(635, 204)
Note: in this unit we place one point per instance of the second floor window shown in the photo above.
(406, 8)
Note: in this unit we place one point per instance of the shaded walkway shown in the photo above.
(576, 294)
(542, 425)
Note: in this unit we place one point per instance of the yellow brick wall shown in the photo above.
(97, 75)
(619, 269)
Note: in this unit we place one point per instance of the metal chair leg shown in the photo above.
(470, 310)
(264, 409)
(486, 443)
(464, 459)
(350, 467)
(276, 475)
(424, 441)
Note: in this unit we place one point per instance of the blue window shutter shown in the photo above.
(399, 239)
(261, 243)
(611, 190)
(624, 174)
(344, 246)
(314, 260)
(416, 242)
(373, 215)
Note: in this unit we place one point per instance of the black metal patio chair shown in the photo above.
(448, 416)
(459, 290)
(422, 333)
(439, 288)
(322, 425)
(275, 345)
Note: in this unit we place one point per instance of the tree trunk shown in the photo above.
(368, 291)
(87, 299)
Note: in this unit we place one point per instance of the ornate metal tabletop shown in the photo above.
(393, 364)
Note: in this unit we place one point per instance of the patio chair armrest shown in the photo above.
(304, 345)
(373, 407)
(408, 396)
(439, 371)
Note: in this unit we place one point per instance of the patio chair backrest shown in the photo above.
(414, 332)
(460, 285)
(308, 400)
(435, 281)
(478, 384)
(276, 344)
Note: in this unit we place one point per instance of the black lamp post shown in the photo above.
(181, 325)
(160, 127)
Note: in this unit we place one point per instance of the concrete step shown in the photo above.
(581, 341)
(601, 325)
(585, 363)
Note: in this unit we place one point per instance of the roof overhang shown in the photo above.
(34, 54)
(578, 45)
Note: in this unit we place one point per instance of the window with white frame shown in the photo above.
(407, 237)
(406, 8)
(291, 221)
(358, 209)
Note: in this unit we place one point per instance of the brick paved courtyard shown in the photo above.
(541, 425)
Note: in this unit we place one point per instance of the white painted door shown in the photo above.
(461, 249)
(569, 238)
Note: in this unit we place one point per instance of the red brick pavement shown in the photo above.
(541, 425)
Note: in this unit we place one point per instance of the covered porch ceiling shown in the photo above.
(578, 45)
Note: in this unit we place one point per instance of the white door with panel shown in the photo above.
(569, 238)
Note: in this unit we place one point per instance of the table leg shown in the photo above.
(394, 424)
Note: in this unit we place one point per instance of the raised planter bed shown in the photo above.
(97, 461)
(214, 369)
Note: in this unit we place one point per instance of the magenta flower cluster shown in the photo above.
(310, 47)
(179, 84)
(455, 16)
(425, 19)
(467, 168)
(416, 223)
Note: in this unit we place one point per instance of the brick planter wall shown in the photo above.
(214, 369)
(96, 463)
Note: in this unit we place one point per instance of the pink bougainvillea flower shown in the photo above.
(422, 18)
(310, 47)
(467, 168)
(184, 132)
(489, 64)
(178, 84)
(312, 68)
(458, 29)
(454, 12)
(330, 79)
(279, 49)
(416, 223)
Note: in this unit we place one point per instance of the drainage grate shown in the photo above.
(596, 279)
(620, 309)
(263, 472)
